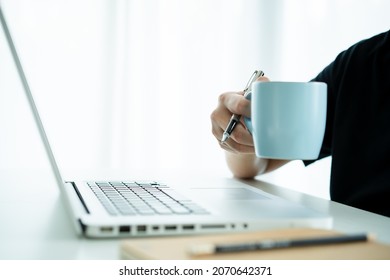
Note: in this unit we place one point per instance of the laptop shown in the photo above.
(131, 208)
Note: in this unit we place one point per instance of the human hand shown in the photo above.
(240, 140)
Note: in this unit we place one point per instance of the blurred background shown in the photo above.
(129, 86)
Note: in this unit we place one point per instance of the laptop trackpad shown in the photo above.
(228, 194)
(241, 202)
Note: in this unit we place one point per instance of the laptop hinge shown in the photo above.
(79, 196)
(82, 226)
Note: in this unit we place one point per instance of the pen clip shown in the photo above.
(255, 75)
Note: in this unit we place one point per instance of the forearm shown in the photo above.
(248, 165)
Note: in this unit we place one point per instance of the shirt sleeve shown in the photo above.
(330, 75)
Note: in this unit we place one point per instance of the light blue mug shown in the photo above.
(287, 119)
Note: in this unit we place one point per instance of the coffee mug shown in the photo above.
(287, 119)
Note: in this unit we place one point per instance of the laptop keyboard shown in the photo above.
(142, 198)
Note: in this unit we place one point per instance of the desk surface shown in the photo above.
(31, 230)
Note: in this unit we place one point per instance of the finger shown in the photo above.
(231, 144)
(263, 79)
(237, 148)
(241, 135)
(219, 120)
(235, 103)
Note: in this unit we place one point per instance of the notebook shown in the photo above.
(130, 208)
(180, 248)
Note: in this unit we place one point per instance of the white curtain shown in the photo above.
(130, 85)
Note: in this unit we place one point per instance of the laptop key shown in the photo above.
(180, 210)
(175, 195)
(127, 211)
(165, 211)
(116, 183)
(103, 184)
(195, 208)
(161, 208)
(110, 209)
(146, 211)
(142, 198)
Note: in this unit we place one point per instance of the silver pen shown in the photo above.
(236, 118)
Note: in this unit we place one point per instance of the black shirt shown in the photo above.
(357, 134)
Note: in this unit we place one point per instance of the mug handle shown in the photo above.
(248, 121)
(248, 124)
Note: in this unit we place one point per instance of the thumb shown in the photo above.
(262, 79)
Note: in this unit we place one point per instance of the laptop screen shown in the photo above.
(63, 61)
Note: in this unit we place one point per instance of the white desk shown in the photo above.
(43, 231)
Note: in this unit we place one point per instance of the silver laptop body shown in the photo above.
(144, 208)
